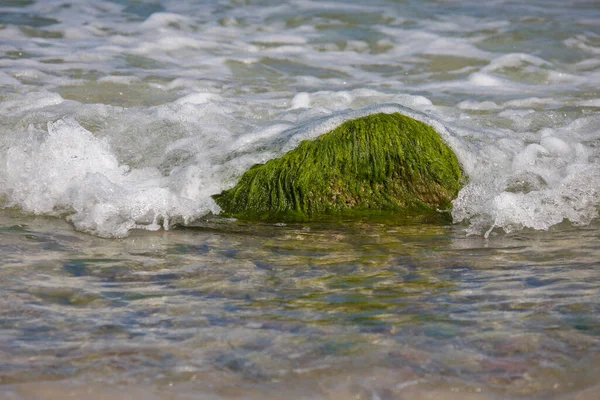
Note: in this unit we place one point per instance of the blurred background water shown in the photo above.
(119, 120)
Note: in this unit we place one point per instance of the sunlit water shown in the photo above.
(119, 119)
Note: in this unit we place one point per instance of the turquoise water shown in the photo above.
(120, 119)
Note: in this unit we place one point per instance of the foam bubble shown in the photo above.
(301, 100)
(557, 147)
(280, 39)
(478, 105)
(486, 80)
(160, 20)
(119, 79)
(515, 60)
(197, 98)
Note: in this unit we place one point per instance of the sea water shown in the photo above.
(119, 119)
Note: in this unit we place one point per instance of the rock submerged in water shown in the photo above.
(377, 163)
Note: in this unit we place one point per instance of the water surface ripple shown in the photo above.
(317, 310)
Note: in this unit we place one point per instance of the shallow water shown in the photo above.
(355, 310)
(119, 119)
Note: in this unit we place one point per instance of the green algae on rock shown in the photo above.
(377, 163)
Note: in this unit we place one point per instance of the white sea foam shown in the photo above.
(117, 117)
(301, 100)
(120, 79)
(68, 171)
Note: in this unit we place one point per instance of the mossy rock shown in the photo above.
(377, 163)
